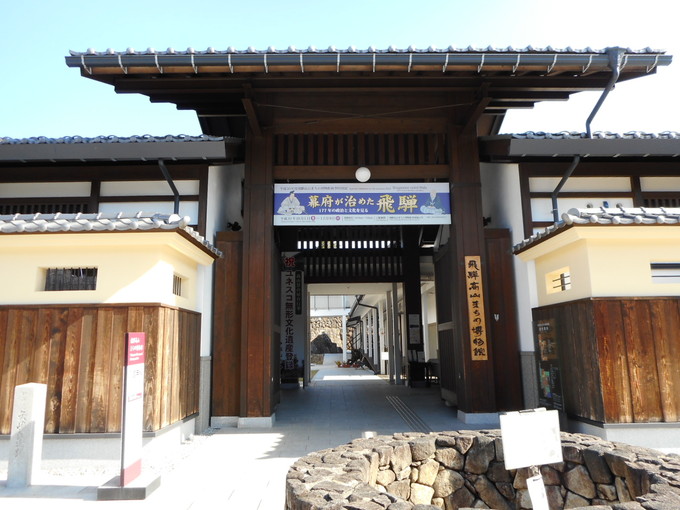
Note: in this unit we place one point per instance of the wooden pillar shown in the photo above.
(412, 304)
(258, 310)
(474, 379)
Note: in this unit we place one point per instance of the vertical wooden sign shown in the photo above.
(475, 301)
(133, 407)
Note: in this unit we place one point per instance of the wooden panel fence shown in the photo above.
(77, 350)
(619, 357)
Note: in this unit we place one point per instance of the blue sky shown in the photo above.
(40, 96)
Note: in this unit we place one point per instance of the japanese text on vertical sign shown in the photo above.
(475, 301)
(288, 354)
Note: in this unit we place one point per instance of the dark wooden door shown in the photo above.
(502, 316)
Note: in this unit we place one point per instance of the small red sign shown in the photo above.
(136, 343)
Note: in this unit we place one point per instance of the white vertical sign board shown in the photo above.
(531, 438)
(133, 407)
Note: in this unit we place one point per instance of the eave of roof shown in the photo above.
(601, 216)
(113, 148)
(514, 147)
(24, 224)
(544, 60)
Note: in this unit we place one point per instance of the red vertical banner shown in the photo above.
(133, 407)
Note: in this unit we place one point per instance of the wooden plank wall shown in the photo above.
(78, 350)
(620, 358)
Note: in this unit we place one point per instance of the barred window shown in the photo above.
(71, 278)
(558, 281)
(177, 285)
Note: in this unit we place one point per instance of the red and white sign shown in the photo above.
(133, 407)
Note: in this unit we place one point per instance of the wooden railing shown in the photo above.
(77, 350)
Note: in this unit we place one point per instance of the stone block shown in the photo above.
(578, 480)
(480, 455)
(488, 493)
(25, 444)
(400, 489)
(575, 501)
(427, 472)
(498, 473)
(607, 492)
(401, 457)
(421, 494)
(459, 499)
(447, 482)
(450, 458)
(422, 448)
(386, 477)
(597, 466)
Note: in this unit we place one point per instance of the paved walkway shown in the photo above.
(245, 468)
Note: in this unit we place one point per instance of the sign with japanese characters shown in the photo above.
(413, 203)
(293, 321)
(133, 407)
(475, 301)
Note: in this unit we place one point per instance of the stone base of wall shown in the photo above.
(465, 469)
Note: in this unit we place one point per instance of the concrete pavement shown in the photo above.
(246, 468)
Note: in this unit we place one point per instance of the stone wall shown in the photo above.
(463, 470)
(332, 326)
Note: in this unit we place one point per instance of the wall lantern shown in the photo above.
(362, 174)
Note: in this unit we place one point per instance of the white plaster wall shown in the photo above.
(132, 267)
(501, 200)
(185, 208)
(141, 188)
(607, 261)
(224, 195)
(44, 189)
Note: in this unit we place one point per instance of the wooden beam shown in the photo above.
(252, 116)
(346, 172)
(362, 124)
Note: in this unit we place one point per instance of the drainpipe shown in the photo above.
(168, 178)
(615, 56)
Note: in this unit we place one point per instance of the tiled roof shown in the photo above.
(99, 222)
(608, 216)
(353, 49)
(598, 135)
(113, 139)
(539, 61)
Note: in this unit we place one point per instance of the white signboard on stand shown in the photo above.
(531, 438)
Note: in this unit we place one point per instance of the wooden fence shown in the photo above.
(78, 350)
(619, 358)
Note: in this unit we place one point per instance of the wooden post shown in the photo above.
(258, 312)
(474, 379)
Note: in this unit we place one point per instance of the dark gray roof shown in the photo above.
(569, 143)
(101, 222)
(606, 216)
(119, 148)
(587, 60)
(115, 139)
(353, 49)
(598, 135)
